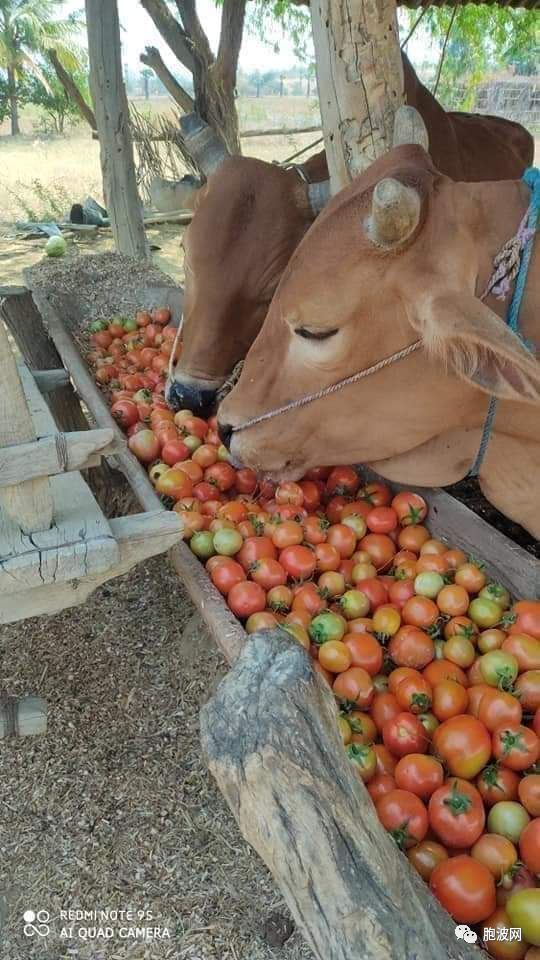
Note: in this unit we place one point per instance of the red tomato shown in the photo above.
(255, 548)
(410, 508)
(342, 538)
(145, 445)
(384, 708)
(405, 734)
(464, 745)
(414, 694)
(365, 652)
(174, 483)
(381, 520)
(400, 591)
(380, 785)
(246, 480)
(411, 647)
(419, 774)
(516, 747)
(268, 573)
(456, 813)
(426, 856)
(315, 530)
(221, 475)
(527, 618)
(355, 685)
(496, 707)
(173, 451)
(299, 562)
(529, 794)
(377, 494)
(312, 495)
(125, 413)
(374, 590)
(246, 598)
(405, 817)
(309, 597)
(439, 670)
(497, 783)
(450, 698)
(380, 548)
(290, 493)
(529, 846)
(342, 481)
(420, 612)
(465, 888)
(226, 574)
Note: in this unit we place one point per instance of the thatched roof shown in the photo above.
(515, 4)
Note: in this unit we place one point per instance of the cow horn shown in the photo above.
(395, 213)
(203, 143)
(410, 128)
(319, 195)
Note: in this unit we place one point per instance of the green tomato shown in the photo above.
(523, 909)
(227, 542)
(499, 669)
(130, 324)
(354, 604)
(192, 442)
(223, 453)
(485, 613)
(326, 626)
(429, 722)
(202, 544)
(428, 584)
(508, 819)
(496, 592)
(98, 325)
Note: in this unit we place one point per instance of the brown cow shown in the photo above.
(402, 255)
(251, 215)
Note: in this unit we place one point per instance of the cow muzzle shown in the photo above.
(190, 394)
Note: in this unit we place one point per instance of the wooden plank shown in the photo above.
(452, 521)
(112, 116)
(225, 630)
(270, 738)
(137, 537)
(77, 544)
(48, 456)
(360, 81)
(26, 506)
(95, 402)
(12, 291)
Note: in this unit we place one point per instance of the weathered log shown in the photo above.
(50, 380)
(112, 116)
(271, 741)
(360, 78)
(60, 453)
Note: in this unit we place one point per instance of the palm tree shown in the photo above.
(28, 29)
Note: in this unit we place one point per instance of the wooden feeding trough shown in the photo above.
(269, 733)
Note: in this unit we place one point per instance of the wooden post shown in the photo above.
(270, 738)
(360, 78)
(112, 116)
(29, 503)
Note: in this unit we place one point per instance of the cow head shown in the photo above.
(249, 217)
(393, 259)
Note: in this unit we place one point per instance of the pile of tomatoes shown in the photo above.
(435, 671)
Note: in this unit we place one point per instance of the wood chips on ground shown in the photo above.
(113, 808)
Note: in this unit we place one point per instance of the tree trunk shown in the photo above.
(270, 738)
(360, 79)
(13, 102)
(72, 90)
(152, 58)
(215, 102)
(112, 114)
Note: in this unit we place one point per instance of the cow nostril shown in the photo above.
(225, 432)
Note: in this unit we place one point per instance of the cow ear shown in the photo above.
(476, 344)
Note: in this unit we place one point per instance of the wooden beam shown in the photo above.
(112, 115)
(22, 716)
(137, 537)
(271, 740)
(360, 78)
(27, 504)
(225, 630)
(152, 58)
(60, 453)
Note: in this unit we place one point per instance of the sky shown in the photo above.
(139, 31)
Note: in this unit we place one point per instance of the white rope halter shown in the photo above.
(333, 388)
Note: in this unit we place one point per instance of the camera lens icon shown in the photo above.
(36, 923)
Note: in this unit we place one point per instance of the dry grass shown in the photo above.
(114, 809)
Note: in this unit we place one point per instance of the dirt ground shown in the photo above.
(113, 808)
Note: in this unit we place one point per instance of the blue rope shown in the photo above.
(532, 178)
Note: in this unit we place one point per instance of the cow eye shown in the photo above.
(314, 334)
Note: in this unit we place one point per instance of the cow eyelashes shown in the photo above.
(314, 334)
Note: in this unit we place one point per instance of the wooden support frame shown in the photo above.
(22, 716)
(360, 80)
(112, 118)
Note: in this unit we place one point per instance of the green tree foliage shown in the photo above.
(28, 28)
(57, 109)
